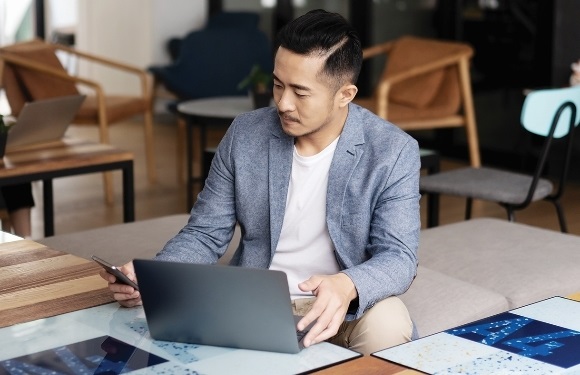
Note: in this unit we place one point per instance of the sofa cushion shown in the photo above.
(523, 263)
(438, 302)
(120, 243)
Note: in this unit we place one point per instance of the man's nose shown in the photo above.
(285, 102)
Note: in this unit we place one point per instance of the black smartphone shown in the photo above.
(121, 277)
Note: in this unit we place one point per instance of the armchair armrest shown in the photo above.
(142, 75)
(379, 49)
(33, 65)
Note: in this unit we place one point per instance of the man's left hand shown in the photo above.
(333, 295)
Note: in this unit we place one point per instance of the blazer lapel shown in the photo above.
(346, 158)
(280, 169)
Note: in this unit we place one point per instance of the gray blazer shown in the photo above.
(372, 208)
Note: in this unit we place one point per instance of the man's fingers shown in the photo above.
(315, 312)
(107, 276)
(326, 326)
(325, 312)
(126, 295)
(310, 285)
(130, 302)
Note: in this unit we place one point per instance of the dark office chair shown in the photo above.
(212, 62)
(552, 114)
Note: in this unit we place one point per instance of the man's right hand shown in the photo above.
(124, 294)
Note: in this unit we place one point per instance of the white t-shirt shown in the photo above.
(305, 248)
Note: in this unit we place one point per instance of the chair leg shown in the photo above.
(150, 147)
(104, 138)
(108, 187)
(561, 217)
(432, 210)
(510, 214)
(181, 134)
(468, 204)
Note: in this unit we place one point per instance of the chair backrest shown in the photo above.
(221, 20)
(440, 86)
(552, 113)
(23, 85)
(540, 107)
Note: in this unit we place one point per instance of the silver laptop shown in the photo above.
(218, 305)
(42, 122)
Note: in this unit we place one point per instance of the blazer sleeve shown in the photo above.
(212, 219)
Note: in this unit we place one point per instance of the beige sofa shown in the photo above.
(467, 270)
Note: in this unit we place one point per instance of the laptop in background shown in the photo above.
(43, 122)
(217, 305)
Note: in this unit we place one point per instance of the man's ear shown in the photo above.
(346, 94)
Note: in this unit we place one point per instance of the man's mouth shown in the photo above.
(287, 118)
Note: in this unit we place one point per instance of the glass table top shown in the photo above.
(112, 339)
(8, 237)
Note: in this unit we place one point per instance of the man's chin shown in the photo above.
(290, 127)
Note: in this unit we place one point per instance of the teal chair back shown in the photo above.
(541, 106)
(552, 113)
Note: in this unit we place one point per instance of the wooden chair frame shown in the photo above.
(461, 59)
(103, 123)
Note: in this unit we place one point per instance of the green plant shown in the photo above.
(5, 124)
(257, 80)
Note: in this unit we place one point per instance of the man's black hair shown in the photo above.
(322, 32)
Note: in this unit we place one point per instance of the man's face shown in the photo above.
(306, 101)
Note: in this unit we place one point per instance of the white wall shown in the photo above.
(60, 14)
(132, 31)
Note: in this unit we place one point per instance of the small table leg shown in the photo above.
(48, 203)
(128, 194)
(189, 146)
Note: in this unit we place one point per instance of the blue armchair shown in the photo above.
(212, 61)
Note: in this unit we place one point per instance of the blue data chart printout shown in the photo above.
(527, 337)
(100, 355)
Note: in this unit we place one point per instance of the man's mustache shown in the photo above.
(287, 117)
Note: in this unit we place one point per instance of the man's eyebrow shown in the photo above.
(293, 85)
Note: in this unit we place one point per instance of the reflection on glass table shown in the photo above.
(112, 339)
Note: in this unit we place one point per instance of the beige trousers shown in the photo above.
(385, 324)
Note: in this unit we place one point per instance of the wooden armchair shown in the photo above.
(31, 71)
(425, 85)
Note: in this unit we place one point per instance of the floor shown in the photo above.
(80, 204)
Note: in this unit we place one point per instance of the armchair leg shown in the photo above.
(150, 147)
(104, 138)
(181, 134)
(108, 186)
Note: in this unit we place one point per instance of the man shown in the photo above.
(321, 188)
